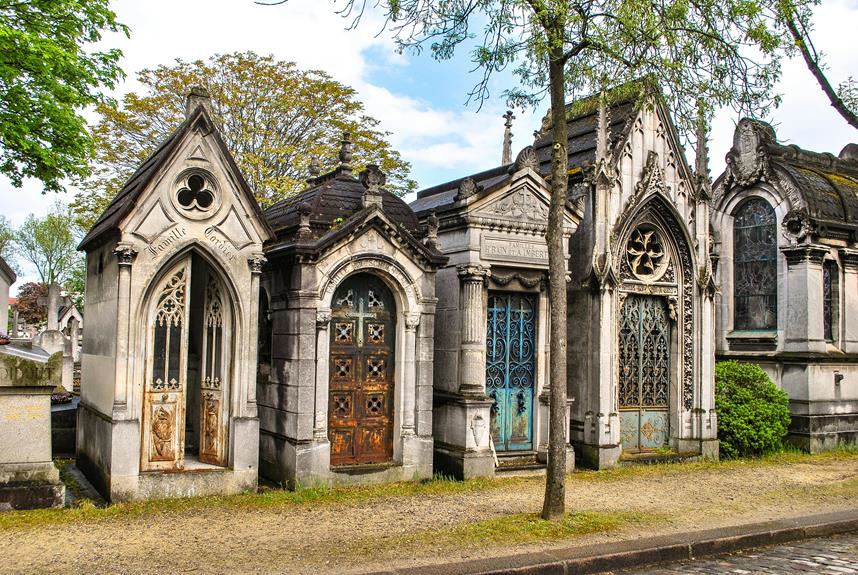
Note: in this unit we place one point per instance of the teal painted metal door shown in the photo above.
(511, 369)
(644, 373)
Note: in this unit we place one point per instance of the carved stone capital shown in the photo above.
(125, 253)
(255, 263)
(849, 258)
(412, 320)
(473, 272)
(323, 319)
(809, 253)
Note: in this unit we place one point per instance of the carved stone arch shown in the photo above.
(660, 211)
(404, 288)
(211, 259)
(210, 324)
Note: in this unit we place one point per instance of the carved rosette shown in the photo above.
(526, 159)
(797, 226)
(125, 254)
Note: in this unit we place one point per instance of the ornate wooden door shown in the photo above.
(360, 417)
(644, 373)
(511, 369)
(214, 376)
(165, 385)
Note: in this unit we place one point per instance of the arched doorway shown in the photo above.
(648, 297)
(188, 369)
(360, 416)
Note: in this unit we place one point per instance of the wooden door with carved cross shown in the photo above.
(214, 376)
(166, 374)
(360, 417)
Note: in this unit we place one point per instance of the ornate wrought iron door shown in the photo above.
(166, 378)
(644, 373)
(214, 377)
(511, 369)
(360, 404)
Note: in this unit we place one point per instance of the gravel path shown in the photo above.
(354, 537)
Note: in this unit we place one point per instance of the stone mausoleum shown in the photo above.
(491, 358)
(786, 242)
(345, 389)
(169, 345)
(641, 299)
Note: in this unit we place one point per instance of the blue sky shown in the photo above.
(421, 102)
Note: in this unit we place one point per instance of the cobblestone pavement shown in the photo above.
(827, 556)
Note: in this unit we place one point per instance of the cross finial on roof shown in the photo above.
(507, 138)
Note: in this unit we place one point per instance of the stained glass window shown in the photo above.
(829, 299)
(755, 267)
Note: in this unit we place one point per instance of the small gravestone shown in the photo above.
(53, 340)
(28, 477)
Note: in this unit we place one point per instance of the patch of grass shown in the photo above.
(272, 498)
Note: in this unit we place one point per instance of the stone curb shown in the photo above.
(641, 552)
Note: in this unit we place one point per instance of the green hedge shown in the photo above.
(753, 414)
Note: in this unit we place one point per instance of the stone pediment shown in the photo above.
(522, 205)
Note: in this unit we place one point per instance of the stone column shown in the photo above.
(804, 324)
(320, 412)
(472, 357)
(15, 320)
(409, 376)
(74, 327)
(255, 263)
(125, 255)
(849, 263)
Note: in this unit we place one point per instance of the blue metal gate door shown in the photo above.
(511, 369)
(644, 373)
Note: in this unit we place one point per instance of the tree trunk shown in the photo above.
(555, 482)
(813, 65)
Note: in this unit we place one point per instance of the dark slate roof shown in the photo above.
(123, 203)
(332, 198)
(581, 117)
(7, 271)
(828, 185)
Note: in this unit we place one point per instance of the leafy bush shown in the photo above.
(753, 414)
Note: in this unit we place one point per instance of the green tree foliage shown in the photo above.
(699, 55)
(753, 414)
(273, 116)
(46, 77)
(49, 244)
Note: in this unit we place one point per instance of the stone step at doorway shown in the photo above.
(517, 463)
(655, 457)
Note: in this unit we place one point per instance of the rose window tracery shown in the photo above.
(646, 254)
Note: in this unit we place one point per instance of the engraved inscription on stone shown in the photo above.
(504, 249)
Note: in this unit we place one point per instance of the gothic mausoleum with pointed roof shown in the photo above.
(169, 346)
(786, 242)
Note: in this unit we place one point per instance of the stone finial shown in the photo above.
(198, 96)
(526, 159)
(372, 179)
(849, 152)
(345, 155)
(304, 231)
(701, 159)
(467, 188)
(315, 167)
(52, 301)
(432, 230)
(603, 121)
(507, 138)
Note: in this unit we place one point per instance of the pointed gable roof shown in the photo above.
(125, 201)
